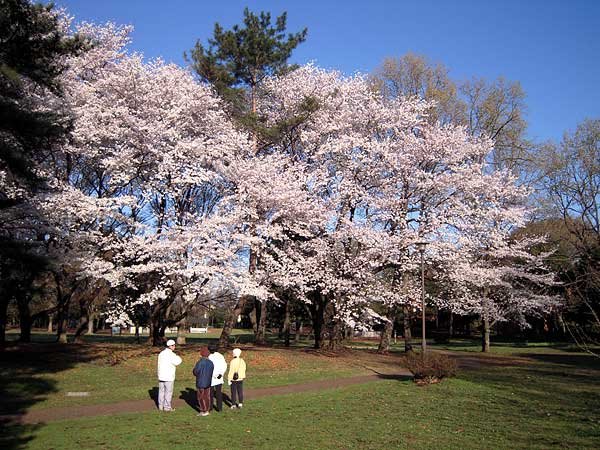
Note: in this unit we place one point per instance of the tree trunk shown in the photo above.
(336, 335)
(157, 330)
(84, 320)
(158, 335)
(317, 311)
(50, 327)
(25, 321)
(62, 329)
(560, 322)
(254, 317)
(157, 321)
(62, 322)
(90, 325)
(4, 300)
(181, 327)
(348, 333)
(485, 332)
(298, 331)
(451, 324)
(150, 333)
(260, 337)
(286, 324)
(386, 337)
(407, 331)
(137, 332)
(63, 299)
(334, 328)
(485, 335)
(229, 322)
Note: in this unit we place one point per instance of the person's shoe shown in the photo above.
(233, 406)
(239, 405)
(205, 414)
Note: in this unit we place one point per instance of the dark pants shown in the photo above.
(237, 392)
(203, 396)
(217, 392)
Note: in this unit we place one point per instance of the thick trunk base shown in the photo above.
(485, 337)
(386, 337)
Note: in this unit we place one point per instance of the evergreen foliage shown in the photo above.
(240, 58)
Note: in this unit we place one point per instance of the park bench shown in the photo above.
(199, 330)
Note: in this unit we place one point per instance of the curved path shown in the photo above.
(133, 406)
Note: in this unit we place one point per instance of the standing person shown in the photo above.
(167, 365)
(203, 371)
(236, 376)
(216, 385)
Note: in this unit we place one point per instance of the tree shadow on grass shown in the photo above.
(25, 371)
(550, 385)
(581, 361)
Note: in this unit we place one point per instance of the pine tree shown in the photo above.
(31, 57)
(32, 54)
(237, 60)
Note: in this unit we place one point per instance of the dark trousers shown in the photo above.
(217, 392)
(237, 392)
(203, 396)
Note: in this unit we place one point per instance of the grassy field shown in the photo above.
(112, 372)
(540, 396)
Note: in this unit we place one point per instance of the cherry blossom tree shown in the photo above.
(144, 199)
(387, 179)
(490, 271)
(161, 197)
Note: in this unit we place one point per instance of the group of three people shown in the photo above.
(209, 372)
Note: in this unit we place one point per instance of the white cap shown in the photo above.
(237, 352)
(170, 342)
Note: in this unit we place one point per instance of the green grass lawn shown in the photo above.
(539, 396)
(516, 407)
(127, 371)
(498, 347)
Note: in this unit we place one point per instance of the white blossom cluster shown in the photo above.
(164, 196)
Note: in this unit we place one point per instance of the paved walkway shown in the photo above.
(133, 406)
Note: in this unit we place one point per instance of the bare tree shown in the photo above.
(569, 176)
(494, 108)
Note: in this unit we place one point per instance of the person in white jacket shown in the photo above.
(216, 387)
(167, 365)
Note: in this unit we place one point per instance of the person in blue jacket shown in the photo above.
(203, 371)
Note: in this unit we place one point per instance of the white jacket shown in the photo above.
(220, 368)
(167, 364)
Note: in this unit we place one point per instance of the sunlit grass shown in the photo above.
(516, 407)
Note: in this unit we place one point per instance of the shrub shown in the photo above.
(431, 367)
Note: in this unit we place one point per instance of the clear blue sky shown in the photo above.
(551, 46)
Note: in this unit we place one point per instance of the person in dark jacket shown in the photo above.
(203, 371)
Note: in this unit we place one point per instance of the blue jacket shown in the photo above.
(203, 371)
